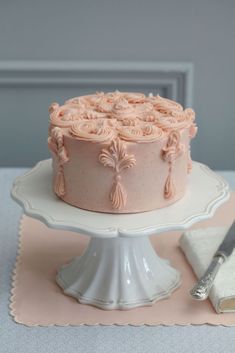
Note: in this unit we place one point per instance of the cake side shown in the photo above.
(124, 153)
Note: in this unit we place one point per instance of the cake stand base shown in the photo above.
(118, 273)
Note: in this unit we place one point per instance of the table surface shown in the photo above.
(90, 339)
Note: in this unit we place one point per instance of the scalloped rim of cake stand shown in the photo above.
(41, 207)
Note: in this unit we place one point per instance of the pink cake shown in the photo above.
(120, 152)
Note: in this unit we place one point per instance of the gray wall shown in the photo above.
(199, 31)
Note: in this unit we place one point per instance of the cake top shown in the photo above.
(131, 116)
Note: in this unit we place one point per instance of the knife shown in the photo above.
(202, 288)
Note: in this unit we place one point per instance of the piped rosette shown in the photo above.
(164, 105)
(82, 101)
(92, 130)
(141, 133)
(65, 115)
(122, 109)
(135, 97)
(177, 120)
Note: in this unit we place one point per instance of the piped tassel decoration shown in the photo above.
(190, 163)
(169, 189)
(56, 145)
(118, 194)
(170, 153)
(117, 158)
(59, 185)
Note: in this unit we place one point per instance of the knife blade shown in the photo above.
(202, 288)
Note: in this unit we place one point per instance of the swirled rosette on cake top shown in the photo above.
(165, 105)
(92, 130)
(65, 115)
(141, 133)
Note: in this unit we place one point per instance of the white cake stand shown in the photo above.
(119, 269)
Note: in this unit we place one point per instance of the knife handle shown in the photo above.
(202, 288)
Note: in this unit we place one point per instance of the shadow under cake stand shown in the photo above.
(119, 269)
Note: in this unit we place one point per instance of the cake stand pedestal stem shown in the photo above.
(118, 273)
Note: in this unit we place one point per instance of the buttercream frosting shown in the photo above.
(125, 110)
(170, 153)
(120, 152)
(56, 145)
(143, 132)
(92, 130)
(118, 159)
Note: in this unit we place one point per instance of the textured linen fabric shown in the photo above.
(93, 339)
(199, 247)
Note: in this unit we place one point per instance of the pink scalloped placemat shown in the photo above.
(37, 300)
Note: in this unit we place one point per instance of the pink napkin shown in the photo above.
(37, 299)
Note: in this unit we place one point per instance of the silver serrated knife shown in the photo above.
(202, 288)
